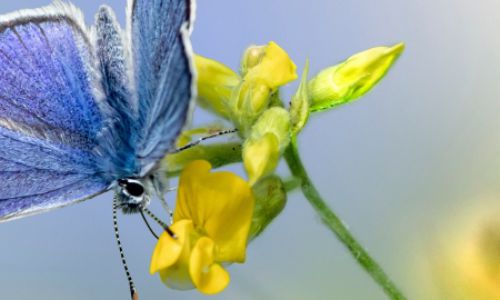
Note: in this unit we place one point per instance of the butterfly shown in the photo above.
(87, 110)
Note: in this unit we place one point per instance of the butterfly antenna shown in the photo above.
(133, 291)
(160, 222)
(192, 144)
(147, 224)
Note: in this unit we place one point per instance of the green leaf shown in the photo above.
(299, 106)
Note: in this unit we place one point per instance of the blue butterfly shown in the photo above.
(83, 111)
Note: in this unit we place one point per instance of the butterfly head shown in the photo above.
(134, 194)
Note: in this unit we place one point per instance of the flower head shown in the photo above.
(211, 222)
(264, 70)
(243, 98)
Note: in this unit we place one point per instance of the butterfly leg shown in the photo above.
(165, 205)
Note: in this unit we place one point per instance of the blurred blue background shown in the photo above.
(422, 145)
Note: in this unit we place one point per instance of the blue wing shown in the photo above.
(50, 112)
(119, 140)
(163, 74)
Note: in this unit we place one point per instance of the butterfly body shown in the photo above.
(83, 111)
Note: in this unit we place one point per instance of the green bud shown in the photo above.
(275, 120)
(270, 199)
(353, 78)
(299, 107)
(268, 139)
(252, 99)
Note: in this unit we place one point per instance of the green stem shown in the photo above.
(333, 223)
(291, 184)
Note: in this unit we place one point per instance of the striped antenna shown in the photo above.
(133, 291)
(160, 222)
(198, 141)
(147, 224)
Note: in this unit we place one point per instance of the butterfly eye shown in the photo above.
(134, 189)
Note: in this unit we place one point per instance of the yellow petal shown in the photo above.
(220, 205)
(260, 156)
(191, 178)
(208, 276)
(353, 78)
(168, 249)
(174, 270)
(274, 69)
(215, 84)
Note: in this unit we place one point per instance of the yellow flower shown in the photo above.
(352, 78)
(211, 222)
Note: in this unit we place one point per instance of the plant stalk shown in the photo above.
(333, 222)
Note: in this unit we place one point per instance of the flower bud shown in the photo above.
(274, 67)
(264, 70)
(251, 58)
(216, 83)
(268, 138)
(256, 97)
(352, 78)
(270, 199)
(260, 156)
(275, 120)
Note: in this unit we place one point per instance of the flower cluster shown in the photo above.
(217, 213)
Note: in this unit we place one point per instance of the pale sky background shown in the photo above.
(395, 166)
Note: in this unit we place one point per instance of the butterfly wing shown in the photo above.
(119, 140)
(163, 73)
(50, 113)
